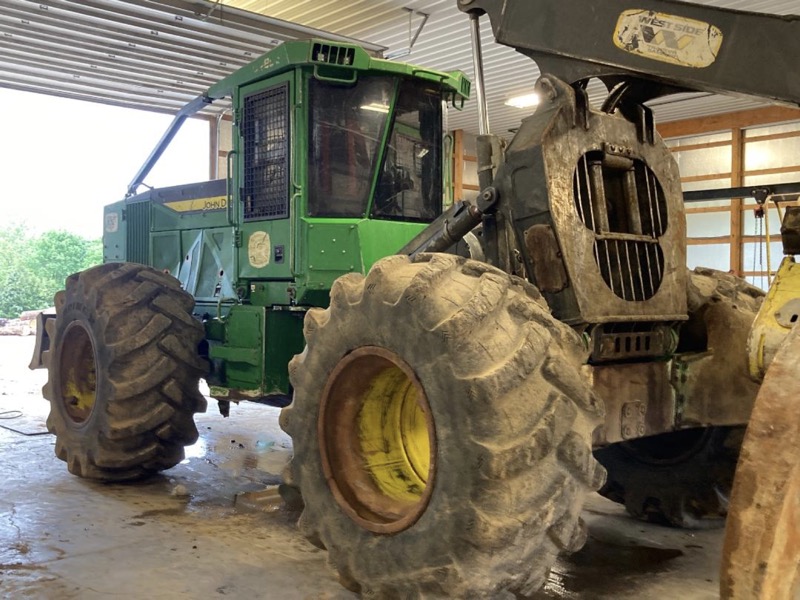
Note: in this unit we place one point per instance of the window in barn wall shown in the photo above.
(767, 154)
(700, 163)
(714, 256)
(705, 163)
(771, 155)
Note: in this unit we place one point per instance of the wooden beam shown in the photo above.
(726, 121)
(688, 147)
(772, 136)
(707, 177)
(737, 222)
(774, 171)
(694, 210)
(705, 241)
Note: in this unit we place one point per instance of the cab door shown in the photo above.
(264, 170)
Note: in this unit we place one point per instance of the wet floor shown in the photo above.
(203, 530)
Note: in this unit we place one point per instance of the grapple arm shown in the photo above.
(676, 44)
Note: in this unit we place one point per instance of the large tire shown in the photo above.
(501, 446)
(123, 372)
(684, 478)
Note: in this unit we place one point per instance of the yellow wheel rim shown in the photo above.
(77, 373)
(377, 440)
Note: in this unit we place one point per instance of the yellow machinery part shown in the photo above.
(777, 316)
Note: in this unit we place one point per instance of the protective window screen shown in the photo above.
(265, 130)
(409, 186)
(346, 125)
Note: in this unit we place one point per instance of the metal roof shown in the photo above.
(444, 44)
(150, 54)
(159, 54)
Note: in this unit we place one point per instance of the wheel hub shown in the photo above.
(77, 374)
(377, 440)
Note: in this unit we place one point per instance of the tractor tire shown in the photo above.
(441, 430)
(680, 479)
(684, 478)
(123, 372)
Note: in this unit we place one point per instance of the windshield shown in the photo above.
(347, 125)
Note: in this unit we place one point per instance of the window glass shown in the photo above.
(346, 125)
(409, 184)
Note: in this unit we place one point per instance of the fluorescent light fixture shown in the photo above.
(374, 106)
(525, 101)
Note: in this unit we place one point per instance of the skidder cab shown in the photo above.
(336, 162)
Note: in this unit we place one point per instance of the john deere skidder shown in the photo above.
(337, 162)
(449, 415)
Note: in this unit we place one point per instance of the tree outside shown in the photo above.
(33, 268)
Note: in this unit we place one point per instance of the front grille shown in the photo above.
(621, 201)
(265, 130)
(137, 216)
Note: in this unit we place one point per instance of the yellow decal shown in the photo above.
(259, 249)
(198, 204)
(668, 38)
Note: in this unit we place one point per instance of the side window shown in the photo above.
(410, 182)
(265, 133)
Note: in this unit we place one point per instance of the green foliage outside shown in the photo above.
(33, 268)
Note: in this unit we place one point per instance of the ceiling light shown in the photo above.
(375, 106)
(524, 101)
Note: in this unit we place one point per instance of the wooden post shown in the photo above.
(737, 176)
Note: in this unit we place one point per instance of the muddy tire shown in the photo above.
(681, 479)
(441, 431)
(123, 372)
(708, 291)
(684, 478)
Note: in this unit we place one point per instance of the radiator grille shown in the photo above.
(621, 201)
(265, 129)
(137, 216)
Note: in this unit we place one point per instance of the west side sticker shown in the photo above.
(668, 38)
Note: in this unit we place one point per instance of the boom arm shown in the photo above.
(679, 45)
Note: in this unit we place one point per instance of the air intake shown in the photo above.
(332, 54)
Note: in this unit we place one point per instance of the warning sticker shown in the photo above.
(668, 38)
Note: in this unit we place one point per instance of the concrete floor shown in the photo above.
(190, 533)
